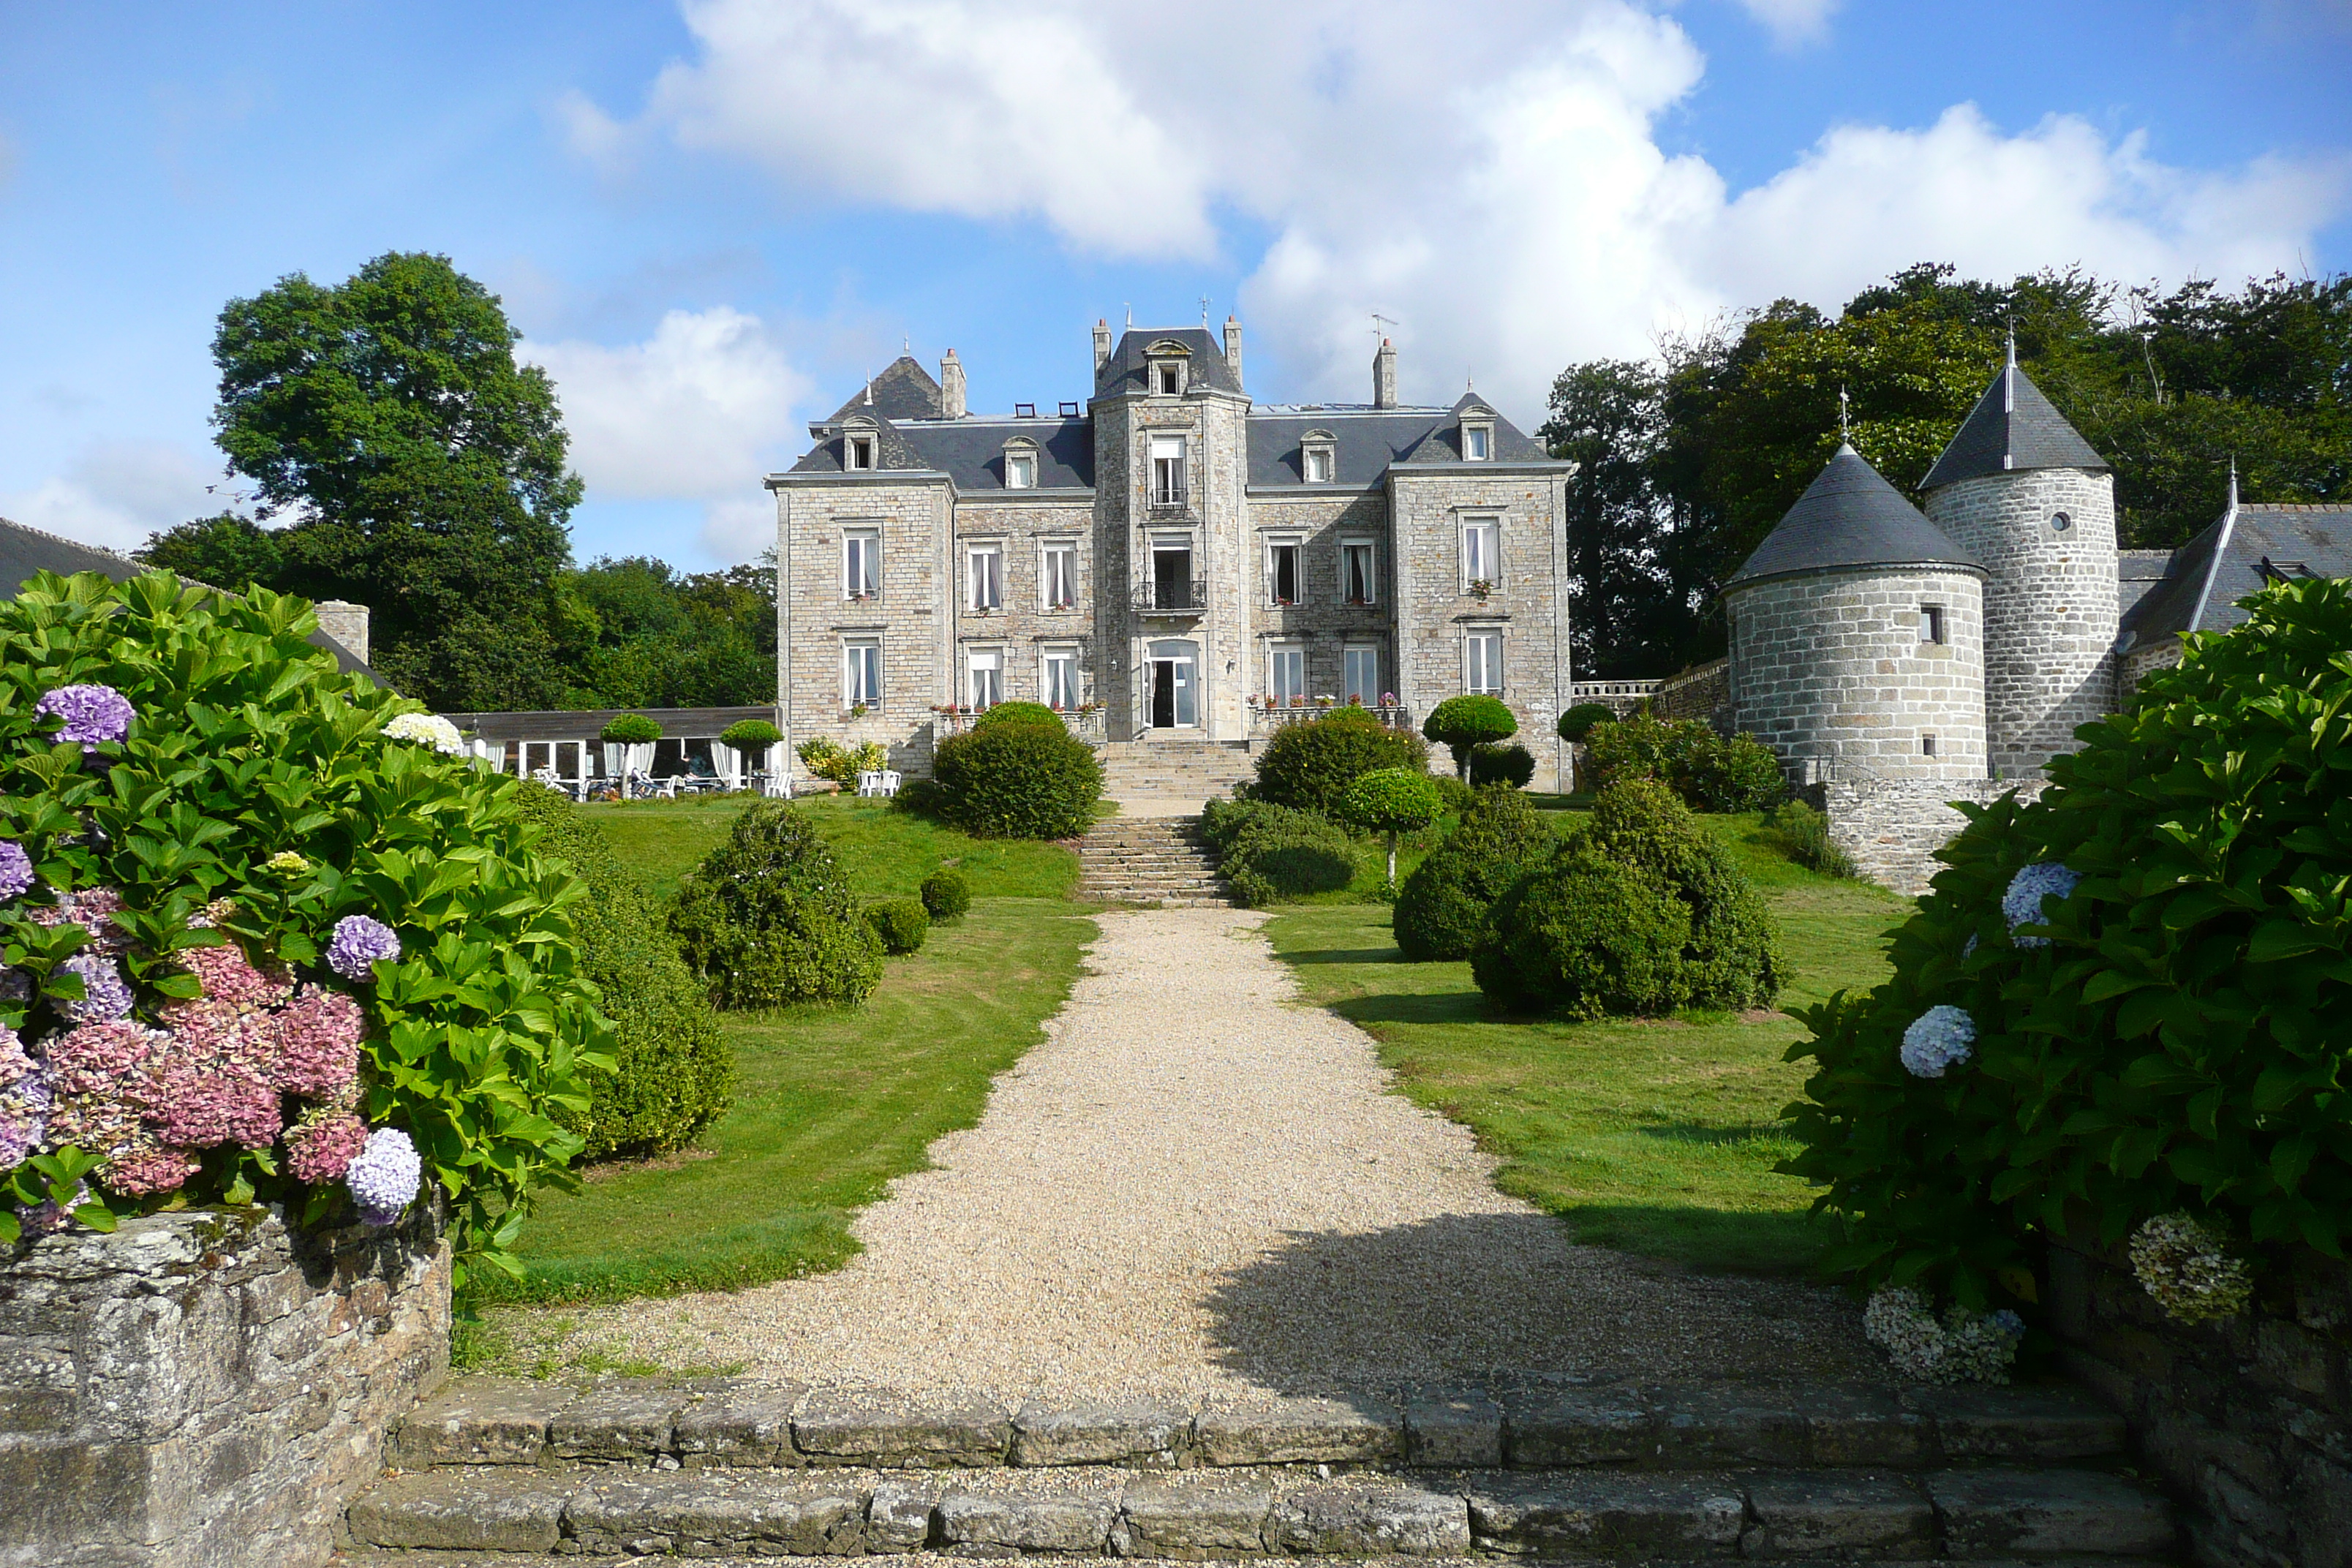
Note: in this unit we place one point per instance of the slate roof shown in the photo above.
(1849, 516)
(25, 551)
(904, 390)
(1442, 444)
(2013, 427)
(1124, 371)
(1365, 441)
(2248, 547)
(972, 450)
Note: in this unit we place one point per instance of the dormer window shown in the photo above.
(1474, 440)
(1166, 368)
(1171, 379)
(1020, 465)
(1318, 456)
(857, 453)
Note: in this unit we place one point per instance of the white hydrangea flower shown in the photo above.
(2022, 904)
(2182, 1263)
(1961, 1346)
(430, 729)
(1938, 1039)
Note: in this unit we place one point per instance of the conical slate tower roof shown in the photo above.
(2013, 427)
(1849, 516)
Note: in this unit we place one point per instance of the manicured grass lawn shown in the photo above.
(1656, 1136)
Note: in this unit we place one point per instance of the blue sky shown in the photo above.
(711, 220)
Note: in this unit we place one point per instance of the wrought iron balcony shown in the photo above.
(1158, 598)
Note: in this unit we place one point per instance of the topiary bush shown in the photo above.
(2125, 1000)
(1309, 765)
(1444, 903)
(259, 949)
(947, 894)
(1460, 723)
(1709, 771)
(766, 919)
(674, 1074)
(902, 923)
(1458, 797)
(1018, 714)
(630, 730)
(1578, 720)
(1582, 936)
(1734, 958)
(1268, 853)
(1393, 801)
(1511, 765)
(750, 736)
(1018, 781)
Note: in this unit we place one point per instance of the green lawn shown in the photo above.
(1655, 1136)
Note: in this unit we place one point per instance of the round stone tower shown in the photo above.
(1857, 637)
(2020, 490)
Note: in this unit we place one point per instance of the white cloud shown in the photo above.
(114, 495)
(1500, 188)
(1792, 23)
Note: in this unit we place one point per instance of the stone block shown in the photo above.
(616, 1423)
(2292, 1356)
(1457, 1431)
(1834, 1515)
(1134, 1433)
(1727, 1425)
(1360, 1521)
(2042, 1424)
(463, 1511)
(890, 1432)
(1299, 1432)
(1063, 1522)
(1611, 1513)
(1193, 1524)
(1579, 1426)
(1863, 1426)
(481, 1421)
(737, 1424)
(705, 1514)
(899, 1517)
(2007, 1512)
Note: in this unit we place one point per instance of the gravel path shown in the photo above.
(1196, 1186)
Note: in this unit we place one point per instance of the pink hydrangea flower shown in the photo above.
(93, 910)
(201, 1106)
(318, 1035)
(320, 1148)
(229, 976)
(147, 1166)
(101, 1059)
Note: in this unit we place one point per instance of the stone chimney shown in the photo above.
(951, 386)
(1384, 376)
(1102, 343)
(346, 623)
(1233, 347)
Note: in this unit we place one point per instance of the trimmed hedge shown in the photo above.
(1309, 765)
(750, 735)
(630, 730)
(902, 923)
(1578, 720)
(1583, 936)
(1018, 781)
(946, 894)
(1019, 714)
(1460, 723)
(1734, 959)
(1444, 902)
(766, 919)
(1512, 765)
(1272, 852)
(676, 1074)
(1710, 772)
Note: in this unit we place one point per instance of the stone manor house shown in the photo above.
(1179, 569)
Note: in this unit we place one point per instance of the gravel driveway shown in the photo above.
(1196, 1186)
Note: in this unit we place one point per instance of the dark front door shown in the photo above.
(1163, 693)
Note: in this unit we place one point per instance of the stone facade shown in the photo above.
(206, 1390)
(1833, 672)
(1701, 692)
(1891, 828)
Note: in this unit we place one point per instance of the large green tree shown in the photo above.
(641, 635)
(1606, 418)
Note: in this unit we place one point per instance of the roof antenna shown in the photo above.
(1381, 325)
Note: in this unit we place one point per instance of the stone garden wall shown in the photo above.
(1891, 828)
(206, 1390)
(2249, 1421)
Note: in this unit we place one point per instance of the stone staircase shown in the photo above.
(500, 1471)
(1188, 769)
(1160, 860)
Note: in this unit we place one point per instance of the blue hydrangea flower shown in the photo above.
(2022, 904)
(105, 995)
(1938, 1039)
(385, 1176)
(16, 869)
(91, 714)
(358, 942)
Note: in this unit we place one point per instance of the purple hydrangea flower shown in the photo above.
(358, 942)
(16, 869)
(92, 714)
(105, 996)
(40, 1219)
(1938, 1040)
(384, 1179)
(2033, 885)
(15, 985)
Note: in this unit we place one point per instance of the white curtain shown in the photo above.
(730, 765)
(641, 757)
(616, 754)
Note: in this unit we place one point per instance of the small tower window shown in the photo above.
(2059, 522)
(1927, 745)
(1931, 623)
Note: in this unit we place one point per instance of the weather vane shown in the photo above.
(1843, 432)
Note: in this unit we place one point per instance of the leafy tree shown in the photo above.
(1608, 418)
(639, 634)
(1392, 801)
(226, 551)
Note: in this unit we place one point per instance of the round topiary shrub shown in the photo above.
(1018, 714)
(947, 894)
(750, 735)
(766, 919)
(1459, 724)
(1511, 765)
(902, 923)
(630, 730)
(1393, 801)
(674, 1074)
(1577, 722)
(1308, 766)
(1582, 936)
(1018, 781)
(2124, 1001)
(258, 949)
(1444, 903)
(1734, 959)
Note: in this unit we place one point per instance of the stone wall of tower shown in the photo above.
(1829, 670)
(2049, 604)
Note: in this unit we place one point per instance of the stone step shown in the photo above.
(1690, 1516)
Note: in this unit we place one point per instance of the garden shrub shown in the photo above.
(1018, 781)
(750, 736)
(2124, 1001)
(1393, 801)
(1578, 720)
(630, 730)
(947, 894)
(1458, 797)
(1460, 723)
(1734, 959)
(674, 1074)
(1710, 772)
(1018, 714)
(1582, 936)
(1806, 832)
(766, 919)
(1270, 852)
(1511, 765)
(902, 923)
(1309, 765)
(267, 939)
(1444, 903)
(829, 759)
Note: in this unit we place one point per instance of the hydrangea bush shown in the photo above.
(265, 939)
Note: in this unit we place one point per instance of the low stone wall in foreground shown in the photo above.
(1891, 828)
(206, 1390)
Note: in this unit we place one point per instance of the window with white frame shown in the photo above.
(1319, 457)
(984, 576)
(1931, 623)
(1318, 465)
(861, 672)
(861, 562)
(1357, 583)
(1168, 471)
(1281, 571)
(1360, 673)
(1019, 468)
(1167, 378)
(1476, 441)
(984, 677)
(1287, 680)
(1482, 661)
(1058, 678)
(1057, 573)
(1482, 554)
